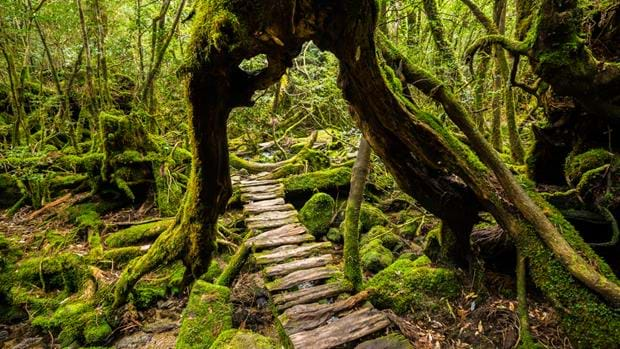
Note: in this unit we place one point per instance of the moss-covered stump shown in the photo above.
(385, 236)
(137, 234)
(76, 322)
(412, 286)
(317, 214)
(391, 341)
(207, 314)
(375, 257)
(242, 339)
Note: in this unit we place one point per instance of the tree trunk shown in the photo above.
(359, 174)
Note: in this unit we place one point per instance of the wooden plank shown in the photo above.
(283, 240)
(272, 223)
(263, 203)
(285, 268)
(271, 216)
(286, 230)
(285, 252)
(260, 209)
(305, 317)
(263, 188)
(250, 197)
(344, 330)
(255, 183)
(299, 277)
(310, 294)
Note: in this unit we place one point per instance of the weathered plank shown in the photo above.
(264, 203)
(310, 294)
(305, 317)
(299, 277)
(280, 241)
(260, 209)
(285, 252)
(271, 223)
(271, 216)
(258, 182)
(249, 197)
(285, 268)
(344, 330)
(286, 230)
(264, 188)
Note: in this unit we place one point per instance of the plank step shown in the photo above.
(301, 276)
(286, 268)
(280, 241)
(250, 197)
(311, 294)
(353, 326)
(275, 223)
(283, 253)
(270, 216)
(305, 317)
(260, 209)
(258, 182)
(263, 188)
(263, 203)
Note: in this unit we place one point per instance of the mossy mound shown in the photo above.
(371, 216)
(77, 322)
(66, 271)
(412, 286)
(385, 236)
(236, 339)
(375, 257)
(325, 180)
(335, 235)
(589, 173)
(317, 214)
(391, 341)
(577, 165)
(207, 314)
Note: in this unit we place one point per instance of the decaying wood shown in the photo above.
(264, 203)
(299, 277)
(285, 252)
(349, 328)
(272, 223)
(271, 216)
(285, 268)
(280, 241)
(254, 183)
(311, 294)
(272, 208)
(249, 197)
(306, 317)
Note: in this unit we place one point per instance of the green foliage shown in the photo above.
(317, 214)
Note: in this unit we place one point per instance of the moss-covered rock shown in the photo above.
(577, 165)
(335, 235)
(371, 216)
(317, 214)
(391, 341)
(207, 314)
(375, 257)
(237, 339)
(410, 285)
(385, 236)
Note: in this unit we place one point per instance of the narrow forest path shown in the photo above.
(303, 276)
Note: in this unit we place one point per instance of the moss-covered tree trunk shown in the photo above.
(359, 174)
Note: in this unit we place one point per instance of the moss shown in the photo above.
(391, 341)
(77, 321)
(146, 294)
(212, 273)
(137, 234)
(65, 271)
(96, 331)
(409, 229)
(235, 339)
(317, 214)
(335, 235)
(577, 165)
(371, 216)
(406, 286)
(325, 180)
(122, 255)
(9, 188)
(207, 314)
(385, 236)
(375, 257)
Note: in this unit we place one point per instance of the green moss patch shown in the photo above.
(371, 216)
(237, 339)
(325, 180)
(375, 257)
(385, 236)
(207, 314)
(412, 286)
(137, 234)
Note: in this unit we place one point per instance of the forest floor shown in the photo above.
(470, 320)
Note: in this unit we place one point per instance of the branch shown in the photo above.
(513, 46)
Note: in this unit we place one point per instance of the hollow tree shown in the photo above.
(427, 161)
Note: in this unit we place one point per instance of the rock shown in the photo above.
(335, 235)
(391, 341)
(237, 339)
(317, 214)
(375, 257)
(385, 236)
(208, 313)
(371, 216)
(412, 285)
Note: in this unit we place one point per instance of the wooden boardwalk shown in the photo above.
(303, 276)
